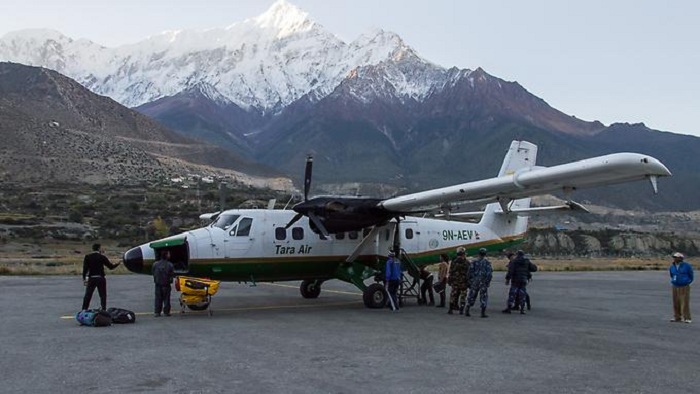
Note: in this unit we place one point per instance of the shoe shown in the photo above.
(687, 321)
(156, 315)
(515, 308)
(483, 313)
(440, 306)
(466, 312)
(449, 311)
(168, 315)
(675, 320)
(507, 310)
(522, 311)
(431, 303)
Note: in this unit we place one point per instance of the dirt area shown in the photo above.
(52, 258)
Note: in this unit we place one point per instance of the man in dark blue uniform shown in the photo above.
(520, 270)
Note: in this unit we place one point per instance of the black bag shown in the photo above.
(439, 287)
(102, 319)
(121, 316)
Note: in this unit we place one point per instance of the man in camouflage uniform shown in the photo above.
(457, 279)
(480, 275)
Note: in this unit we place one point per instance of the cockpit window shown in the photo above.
(244, 227)
(225, 221)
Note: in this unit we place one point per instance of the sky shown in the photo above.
(612, 61)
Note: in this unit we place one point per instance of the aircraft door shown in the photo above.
(239, 237)
(385, 239)
(410, 236)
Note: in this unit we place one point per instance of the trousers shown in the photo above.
(101, 285)
(681, 303)
(162, 299)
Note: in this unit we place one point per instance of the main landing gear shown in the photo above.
(375, 296)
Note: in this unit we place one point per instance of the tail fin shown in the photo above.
(521, 156)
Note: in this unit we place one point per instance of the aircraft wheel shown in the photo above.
(374, 296)
(310, 288)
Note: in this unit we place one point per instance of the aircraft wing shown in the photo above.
(532, 181)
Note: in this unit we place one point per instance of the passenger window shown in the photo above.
(244, 227)
(297, 233)
(280, 233)
(353, 234)
(409, 233)
(340, 236)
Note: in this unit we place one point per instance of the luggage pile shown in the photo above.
(195, 293)
(100, 318)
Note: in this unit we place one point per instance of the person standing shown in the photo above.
(443, 269)
(681, 277)
(457, 279)
(94, 265)
(480, 275)
(163, 274)
(520, 271)
(426, 287)
(392, 276)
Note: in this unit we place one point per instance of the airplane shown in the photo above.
(348, 238)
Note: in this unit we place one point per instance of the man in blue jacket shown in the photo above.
(681, 277)
(392, 273)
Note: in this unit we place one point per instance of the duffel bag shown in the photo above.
(121, 316)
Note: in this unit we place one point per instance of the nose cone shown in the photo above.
(133, 260)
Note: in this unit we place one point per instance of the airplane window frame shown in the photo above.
(225, 221)
(243, 221)
(339, 236)
(353, 235)
(278, 233)
(408, 233)
(296, 231)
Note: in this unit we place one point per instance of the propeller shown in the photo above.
(306, 208)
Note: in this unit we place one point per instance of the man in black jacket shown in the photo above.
(519, 272)
(163, 274)
(94, 276)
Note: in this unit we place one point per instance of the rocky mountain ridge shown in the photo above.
(55, 130)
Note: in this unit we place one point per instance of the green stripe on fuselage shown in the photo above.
(268, 269)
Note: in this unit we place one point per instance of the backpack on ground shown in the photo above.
(121, 316)
(94, 318)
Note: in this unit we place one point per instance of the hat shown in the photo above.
(460, 251)
(482, 251)
(678, 254)
(521, 253)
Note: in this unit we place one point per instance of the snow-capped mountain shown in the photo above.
(262, 64)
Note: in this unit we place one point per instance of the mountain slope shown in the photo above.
(56, 130)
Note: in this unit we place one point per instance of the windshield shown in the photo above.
(225, 220)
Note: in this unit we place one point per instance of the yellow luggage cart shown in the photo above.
(196, 293)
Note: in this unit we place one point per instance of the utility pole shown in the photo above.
(222, 195)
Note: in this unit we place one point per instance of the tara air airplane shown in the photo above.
(348, 238)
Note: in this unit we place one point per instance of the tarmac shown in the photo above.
(587, 332)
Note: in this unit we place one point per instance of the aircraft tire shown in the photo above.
(374, 296)
(310, 288)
